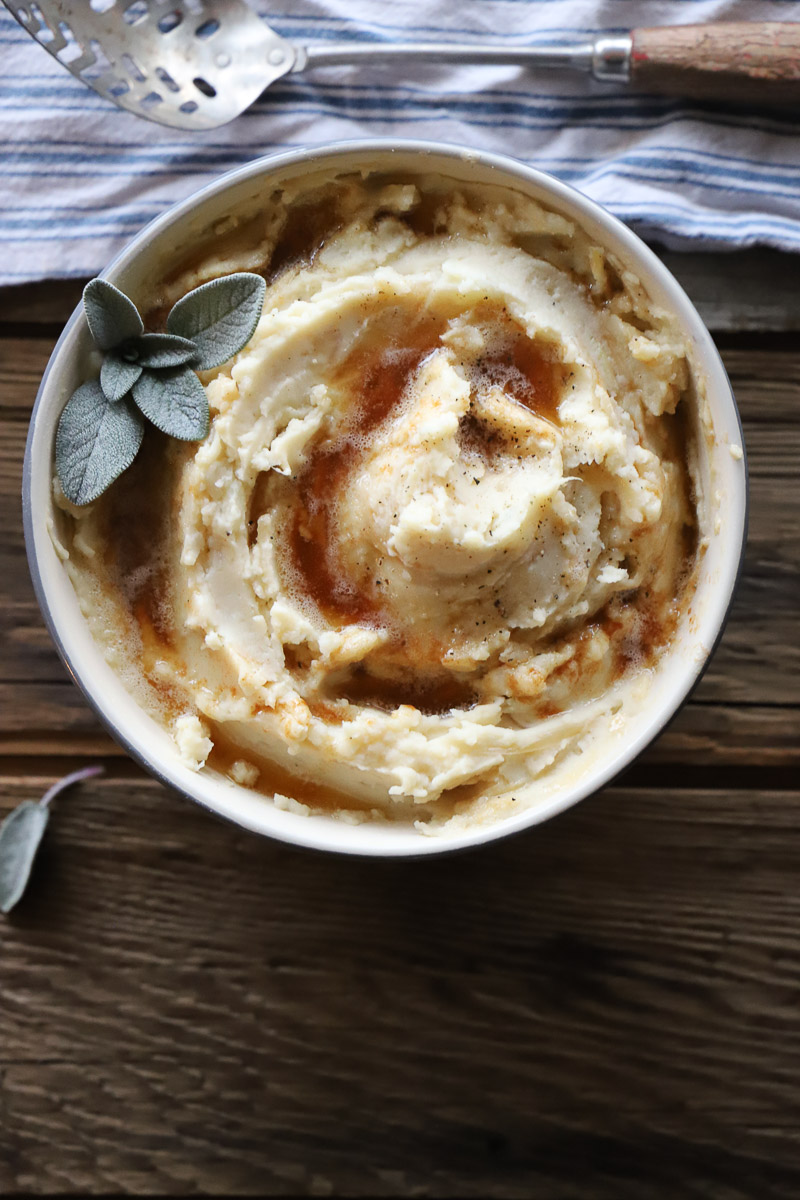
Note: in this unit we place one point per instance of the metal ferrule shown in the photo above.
(611, 58)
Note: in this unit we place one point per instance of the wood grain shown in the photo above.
(758, 662)
(52, 720)
(604, 1008)
(731, 61)
(47, 303)
(562, 1014)
(753, 290)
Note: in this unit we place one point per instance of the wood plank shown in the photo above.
(758, 662)
(603, 1007)
(52, 720)
(747, 290)
(754, 290)
(708, 734)
(48, 303)
(58, 707)
(766, 381)
(22, 364)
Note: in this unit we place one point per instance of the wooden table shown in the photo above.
(608, 1006)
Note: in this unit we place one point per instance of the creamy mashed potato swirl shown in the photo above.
(441, 527)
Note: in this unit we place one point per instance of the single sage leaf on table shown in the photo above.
(112, 317)
(20, 835)
(220, 317)
(175, 401)
(117, 376)
(96, 441)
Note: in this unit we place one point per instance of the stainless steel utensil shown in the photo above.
(197, 64)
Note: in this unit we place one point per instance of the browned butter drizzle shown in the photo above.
(139, 511)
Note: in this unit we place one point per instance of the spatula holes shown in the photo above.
(207, 29)
(189, 106)
(136, 12)
(205, 87)
(70, 53)
(132, 67)
(119, 88)
(170, 21)
(167, 79)
(23, 16)
(73, 50)
(102, 6)
(151, 100)
(44, 33)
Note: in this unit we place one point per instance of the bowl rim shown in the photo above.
(579, 207)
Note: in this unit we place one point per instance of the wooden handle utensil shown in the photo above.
(187, 79)
(751, 61)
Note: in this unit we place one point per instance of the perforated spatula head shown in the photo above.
(190, 64)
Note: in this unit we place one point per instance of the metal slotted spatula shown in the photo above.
(197, 64)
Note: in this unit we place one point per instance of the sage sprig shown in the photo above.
(148, 375)
(96, 441)
(20, 836)
(219, 321)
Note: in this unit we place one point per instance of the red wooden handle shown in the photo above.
(743, 60)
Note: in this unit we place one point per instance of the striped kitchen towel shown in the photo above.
(79, 177)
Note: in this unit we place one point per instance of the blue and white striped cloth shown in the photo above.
(79, 177)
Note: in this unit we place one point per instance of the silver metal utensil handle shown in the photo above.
(606, 58)
(611, 60)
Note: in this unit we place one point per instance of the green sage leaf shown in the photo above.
(117, 376)
(95, 442)
(20, 835)
(219, 317)
(157, 350)
(175, 401)
(112, 317)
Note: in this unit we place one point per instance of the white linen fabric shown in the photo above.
(79, 177)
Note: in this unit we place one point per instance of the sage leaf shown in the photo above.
(219, 317)
(112, 317)
(95, 442)
(20, 835)
(163, 350)
(175, 401)
(117, 376)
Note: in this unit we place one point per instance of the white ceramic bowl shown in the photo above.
(162, 242)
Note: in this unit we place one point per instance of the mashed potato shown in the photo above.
(442, 527)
